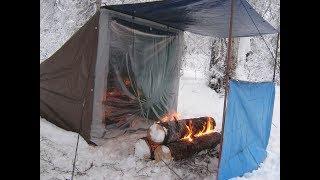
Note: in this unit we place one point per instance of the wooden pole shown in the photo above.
(227, 71)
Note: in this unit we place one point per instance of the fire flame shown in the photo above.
(188, 137)
(207, 128)
(170, 117)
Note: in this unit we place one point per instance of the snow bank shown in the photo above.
(196, 99)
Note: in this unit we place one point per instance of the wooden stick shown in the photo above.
(171, 131)
(184, 149)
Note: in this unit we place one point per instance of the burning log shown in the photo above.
(171, 131)
(183, 149)
(144, 148)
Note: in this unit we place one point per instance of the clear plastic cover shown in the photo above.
(141, 77)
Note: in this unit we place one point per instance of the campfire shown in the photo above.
(207, 128)
(173, 139)
(188, 137)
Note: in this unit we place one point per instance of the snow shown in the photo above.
(59, 20)
(196, 99)
(165, 149)
(157, 134)
(243, 50)
(142, 150)
(195, 65)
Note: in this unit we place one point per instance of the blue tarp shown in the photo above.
(247, 127)
(205, 17)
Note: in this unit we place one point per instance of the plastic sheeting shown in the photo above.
(141, 77)
(205, 17)
(247, 127)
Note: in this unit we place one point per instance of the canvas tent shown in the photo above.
(116, 74)
(120, 71)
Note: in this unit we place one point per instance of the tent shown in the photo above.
(115, 75)
(120, 71)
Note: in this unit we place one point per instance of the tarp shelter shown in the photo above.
(205, 17)
(120, 71)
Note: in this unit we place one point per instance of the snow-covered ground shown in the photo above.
(115, 158)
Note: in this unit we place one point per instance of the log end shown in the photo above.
(142, 149)
(162, 153)
(156, 133)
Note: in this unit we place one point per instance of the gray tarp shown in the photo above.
(205, 17)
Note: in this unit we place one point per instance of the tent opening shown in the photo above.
(137, 79)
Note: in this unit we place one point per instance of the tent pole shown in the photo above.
(226, 79)
(275, 60)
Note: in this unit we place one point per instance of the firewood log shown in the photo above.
(162, 153)
(183, 149)
(171, 131)
(144, 148)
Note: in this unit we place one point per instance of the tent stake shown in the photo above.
(226, 79)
